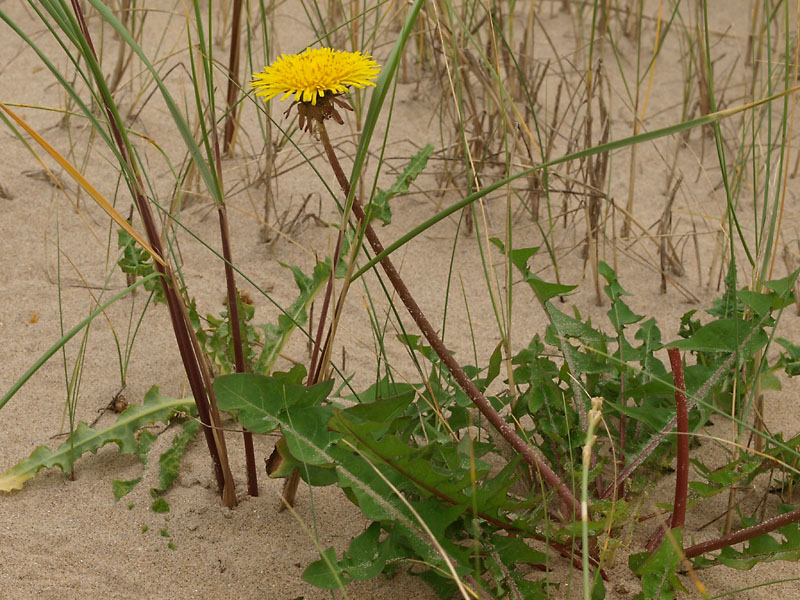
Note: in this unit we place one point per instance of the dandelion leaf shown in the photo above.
(658, 570)
(169, 462)
(303, 414)
(137, 262)
(414, 464)
(160, 506)
(378, 208)
(286, 463)
(85, 439)
(620, 314)
(789, 360)
(588, 356)
(263, 403)
(512, 550)
(724, 335)
(326, 572)
(122, 488)
(519, 257)
(365, 559)
(276, 335)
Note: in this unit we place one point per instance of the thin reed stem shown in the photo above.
(238, 353)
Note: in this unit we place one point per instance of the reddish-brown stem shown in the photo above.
(682, 467)
(744, 534)
(189, 357)
(238, 353)
(234, 320)
(642, 456)
(463, 380)
(682, 470)
(233, 78)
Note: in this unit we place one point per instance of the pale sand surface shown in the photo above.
(70, 539)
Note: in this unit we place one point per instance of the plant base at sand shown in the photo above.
(444, 493)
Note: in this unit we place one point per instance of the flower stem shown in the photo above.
(463, 380)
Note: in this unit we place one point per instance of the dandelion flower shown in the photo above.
(311, 75)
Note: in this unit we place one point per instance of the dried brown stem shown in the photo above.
(234, 320)
(238, 352)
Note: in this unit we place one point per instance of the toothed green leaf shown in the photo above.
(85, 439)
(379, 207)
(169, 462)
(122, 488)
(276, 336)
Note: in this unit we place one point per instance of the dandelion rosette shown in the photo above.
(316, 78)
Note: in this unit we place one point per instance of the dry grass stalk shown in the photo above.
(288, 224)
(668, 255)
(594, 170)
(124, 53)
(233, 78)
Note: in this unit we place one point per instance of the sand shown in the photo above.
(70, 539)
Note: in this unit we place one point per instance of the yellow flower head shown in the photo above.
(313, 73)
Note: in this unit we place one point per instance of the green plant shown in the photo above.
(415, 456)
